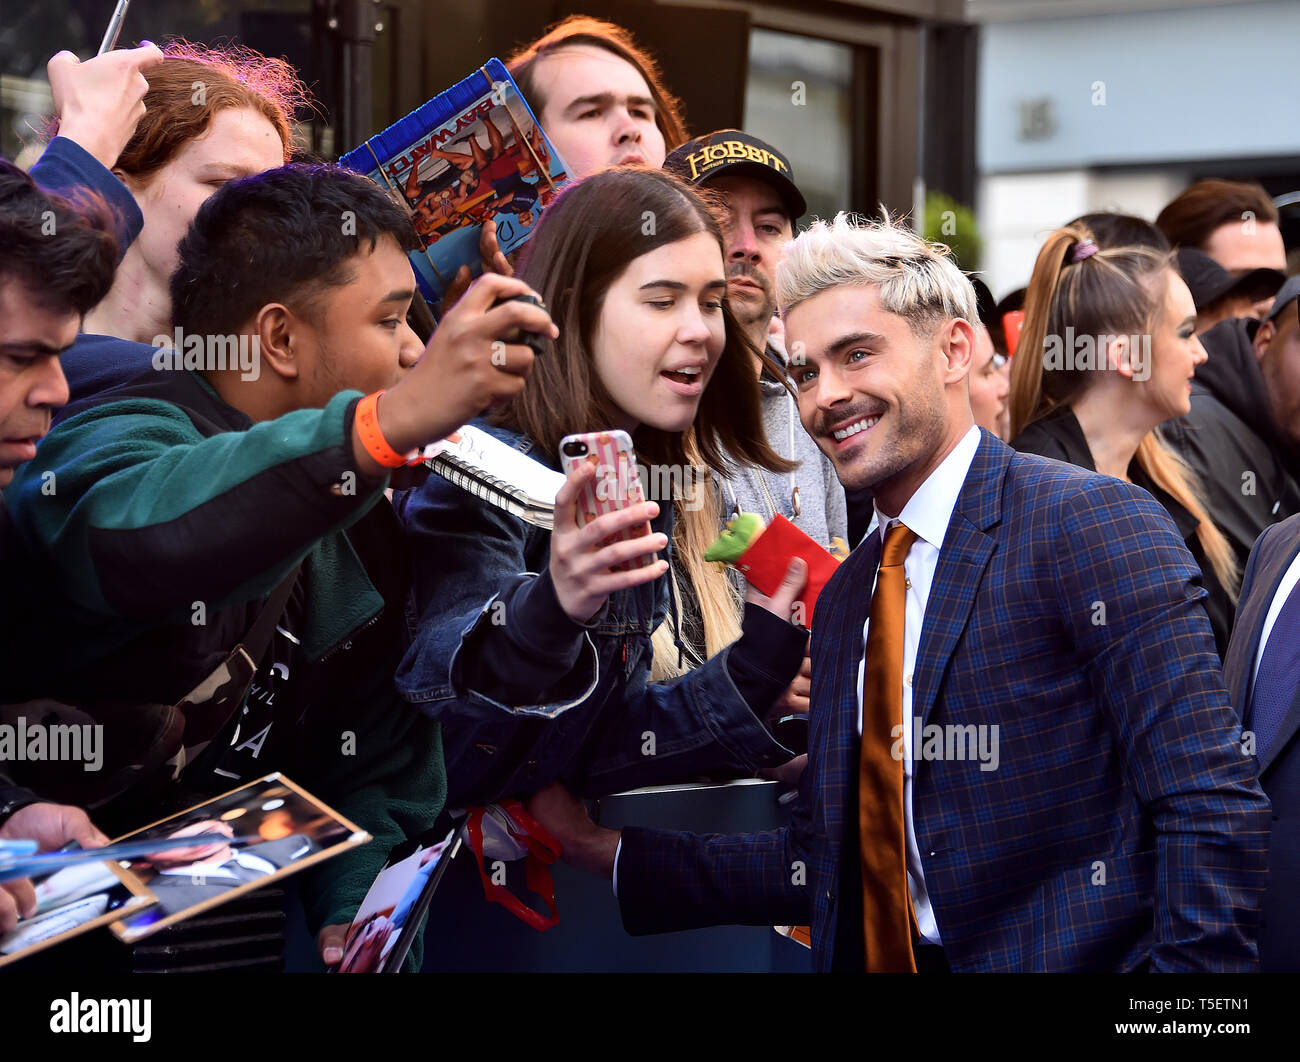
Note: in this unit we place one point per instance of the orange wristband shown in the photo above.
(367, 420)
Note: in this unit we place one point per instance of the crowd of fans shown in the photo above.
(433, 652)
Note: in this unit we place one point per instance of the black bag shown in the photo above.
(145, 747)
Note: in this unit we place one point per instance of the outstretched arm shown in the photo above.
(99, 102)
(668, 881)
(539, 146)
(413, 182)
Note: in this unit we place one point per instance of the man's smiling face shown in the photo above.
(871, 391)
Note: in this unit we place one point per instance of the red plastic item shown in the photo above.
(1012, 322)
(765, 562)
(543, 850)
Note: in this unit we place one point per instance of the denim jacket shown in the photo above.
(527, 696)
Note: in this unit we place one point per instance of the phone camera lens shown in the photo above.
(575, 449)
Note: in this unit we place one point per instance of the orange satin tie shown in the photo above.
(887, 917)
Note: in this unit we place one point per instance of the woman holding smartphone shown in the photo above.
(529, 647)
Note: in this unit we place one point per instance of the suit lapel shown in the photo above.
(1290, 724)
(1240, 666)
(839, 726)
(963, 557)
(866, 559)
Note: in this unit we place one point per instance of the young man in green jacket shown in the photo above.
(159, 516)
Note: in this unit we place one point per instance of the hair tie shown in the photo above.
(1083, 249)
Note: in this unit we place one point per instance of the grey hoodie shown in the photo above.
(822, 512)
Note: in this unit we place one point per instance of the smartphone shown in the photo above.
(616, 485)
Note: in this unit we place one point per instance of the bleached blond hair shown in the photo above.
(916, 279)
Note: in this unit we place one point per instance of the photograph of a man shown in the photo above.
(269, 828)
(192, 875)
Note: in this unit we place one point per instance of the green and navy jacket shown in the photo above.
(150, 529)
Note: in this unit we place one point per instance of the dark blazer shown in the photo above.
(1279, 768)
(1247, 467)
(1059, 436)
(1122, 828)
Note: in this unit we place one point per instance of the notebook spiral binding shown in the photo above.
(491, 489)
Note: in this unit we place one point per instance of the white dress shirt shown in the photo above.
(928, 513)
(1274, 610)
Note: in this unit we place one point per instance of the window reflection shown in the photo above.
(811, 126)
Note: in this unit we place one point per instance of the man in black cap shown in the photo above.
(1242, 436)
(1219, 294)
(763, 204)
(1234, 222)
(756, 184)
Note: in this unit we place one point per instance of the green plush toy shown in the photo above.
(739, 535)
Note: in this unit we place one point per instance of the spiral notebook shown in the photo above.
(496, 472)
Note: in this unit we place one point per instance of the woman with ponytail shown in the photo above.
(1107, 353)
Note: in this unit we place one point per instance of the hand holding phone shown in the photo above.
(615, 485)
(470, 364)
(602, 540)
(534, 341)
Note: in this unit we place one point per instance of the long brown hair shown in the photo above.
(584, 241)
(1112, 291)
(718, 603)
(192, 84)
(582, 29)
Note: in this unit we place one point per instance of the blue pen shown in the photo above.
(23, 865)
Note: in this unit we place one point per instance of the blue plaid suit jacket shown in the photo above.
(1123, 827)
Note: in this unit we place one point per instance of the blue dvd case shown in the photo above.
(472, 154)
